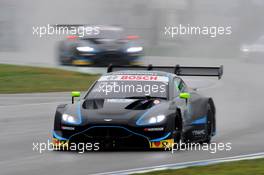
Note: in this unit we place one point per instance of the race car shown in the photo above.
(253, 51)
(141, 107)
(109, 46)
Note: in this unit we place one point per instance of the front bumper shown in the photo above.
(115, 137)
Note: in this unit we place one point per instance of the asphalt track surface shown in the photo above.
(28, 118)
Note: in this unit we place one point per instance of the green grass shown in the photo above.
(245, 167)
(26, 79)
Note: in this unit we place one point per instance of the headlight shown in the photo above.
(85, 49)
(156, 119)
(151, 120)
(68, 118)
(244, 48)
(134, 49)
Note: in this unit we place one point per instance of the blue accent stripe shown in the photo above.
(142, 117)
(57, 136)
(161, 138)
(141, 135)
(200, 121)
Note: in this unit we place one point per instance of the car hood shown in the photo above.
(116, 111)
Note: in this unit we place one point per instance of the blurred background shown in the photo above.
(146, 18)
(29, 117)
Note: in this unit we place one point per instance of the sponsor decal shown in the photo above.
(198, 132)
(154, 129)
(60, 143)
(139, 77)
(134, 78)
(162, 144)
(80, 62)
(112, 77)
(68, 128)
(135, 73)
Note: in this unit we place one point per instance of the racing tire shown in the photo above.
(178, 133)
(210, 125)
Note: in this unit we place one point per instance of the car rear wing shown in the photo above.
(178, 70)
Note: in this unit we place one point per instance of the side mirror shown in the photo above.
(185, 95)
(75, 94)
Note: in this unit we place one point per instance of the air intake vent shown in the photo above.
(93, 104)
(141, 104)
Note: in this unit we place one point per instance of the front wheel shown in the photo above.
(178, 132)
(210, 125)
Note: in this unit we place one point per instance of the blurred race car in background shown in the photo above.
(253, 50)
(110, 46)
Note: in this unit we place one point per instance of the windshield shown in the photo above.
(110, 34)
(107, 34)
(130, 86)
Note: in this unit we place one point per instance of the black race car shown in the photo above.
(139, 107)
(110, 46)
